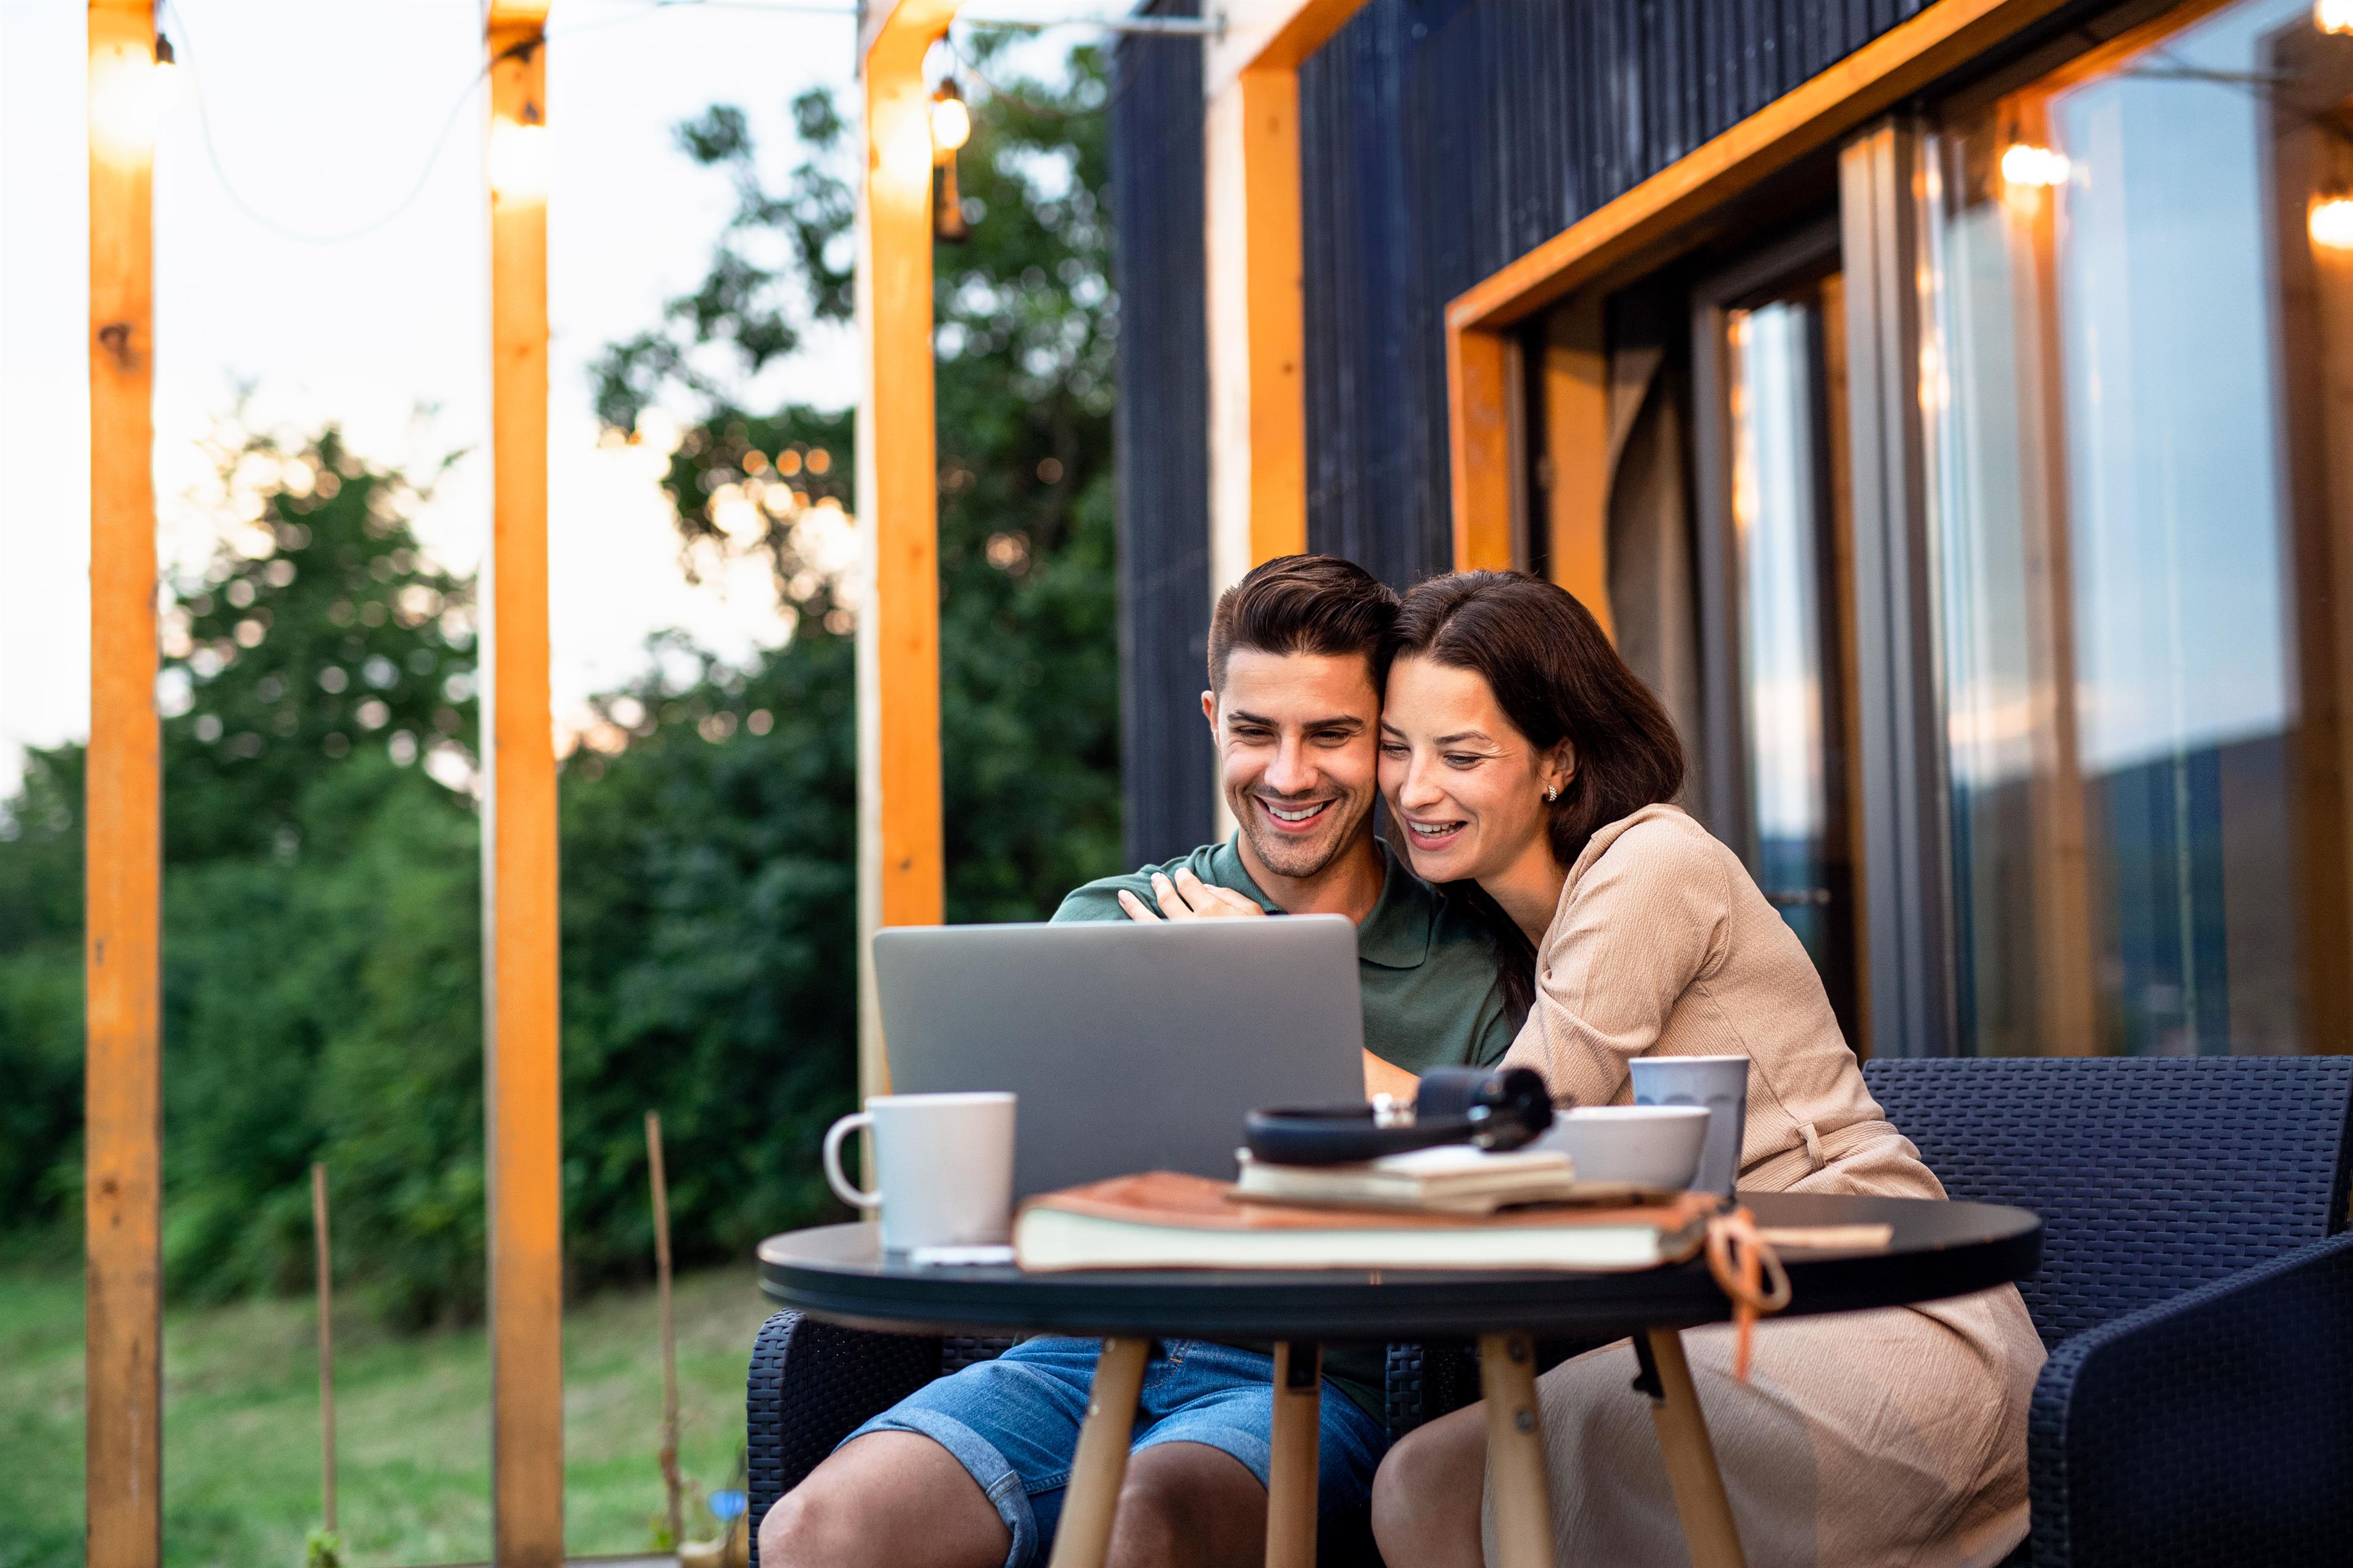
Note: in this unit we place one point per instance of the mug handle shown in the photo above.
(834, 1178)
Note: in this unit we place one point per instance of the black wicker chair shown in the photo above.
(2195, 1292)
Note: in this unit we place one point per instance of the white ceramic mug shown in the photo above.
(1720, 1083)
(946, 1168)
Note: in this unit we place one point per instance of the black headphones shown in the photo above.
(1500, 1108)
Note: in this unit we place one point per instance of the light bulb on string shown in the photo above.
(951, 129)
(2330, 221)
(521, 157)
(2023, 164)
(951, 119)
(127, 84)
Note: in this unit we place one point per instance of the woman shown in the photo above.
(1519, 754)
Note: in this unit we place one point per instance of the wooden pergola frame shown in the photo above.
(1258, 413)
(122, 1075)
(1258, 399)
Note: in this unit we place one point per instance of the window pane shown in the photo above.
(2113, 377)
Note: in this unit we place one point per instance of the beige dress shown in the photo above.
(1883, 1438)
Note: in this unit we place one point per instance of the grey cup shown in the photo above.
(1720, 1083)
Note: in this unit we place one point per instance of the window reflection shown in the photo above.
(1783, 364)
(2132, 327)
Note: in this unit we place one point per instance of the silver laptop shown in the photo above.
(1133, 1048)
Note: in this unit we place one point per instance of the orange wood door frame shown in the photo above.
(1640, 229)
(122, 817)
(901, 856)
(523, 1073)
(1256, 297)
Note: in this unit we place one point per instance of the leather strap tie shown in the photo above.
(1742, 1262)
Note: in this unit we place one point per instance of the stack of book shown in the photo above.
(1436, 1208)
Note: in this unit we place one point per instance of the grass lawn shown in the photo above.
(241, 1414)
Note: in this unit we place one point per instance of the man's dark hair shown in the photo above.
(1304, 604)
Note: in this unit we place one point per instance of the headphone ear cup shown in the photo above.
(1519, 1106)
(1449, 1093)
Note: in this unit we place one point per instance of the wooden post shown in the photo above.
(1257, 312)
(1099, 1468)
(122, 1195)
(524, 1084)
(1481, 397)
(670, 1485)
(1515, 1453)
(900, 857)
(1257, 298)
(1292, 1474)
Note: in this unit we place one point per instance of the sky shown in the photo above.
(328, 117)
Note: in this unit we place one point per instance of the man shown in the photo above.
(969, 1472)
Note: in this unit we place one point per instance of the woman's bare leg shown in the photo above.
(1428, 1491)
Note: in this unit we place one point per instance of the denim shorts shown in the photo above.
(1013, 1423)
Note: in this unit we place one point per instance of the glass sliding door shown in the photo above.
(1769, 346)
(2135, 377)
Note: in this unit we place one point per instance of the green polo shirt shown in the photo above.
(1432, 997)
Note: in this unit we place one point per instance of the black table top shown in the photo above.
(1940, 1250)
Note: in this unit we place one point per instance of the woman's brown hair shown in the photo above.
(1556, 677)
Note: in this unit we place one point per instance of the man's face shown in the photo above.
(1298, 739)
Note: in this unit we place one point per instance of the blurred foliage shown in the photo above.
(1027, 326)
(323, 968)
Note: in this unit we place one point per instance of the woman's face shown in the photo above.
(1467, 789)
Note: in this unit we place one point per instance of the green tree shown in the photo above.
(1027, 327)
(709, 872)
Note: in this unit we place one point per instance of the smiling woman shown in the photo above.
(1512, 731)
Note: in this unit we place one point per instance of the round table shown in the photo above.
(1936, 1250)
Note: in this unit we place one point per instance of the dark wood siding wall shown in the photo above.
(1163, 433)
(1440, 139)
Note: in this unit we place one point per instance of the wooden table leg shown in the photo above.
(1692, 1472)
(1291, 1481)
(1082, 1538)
(1516, 1475)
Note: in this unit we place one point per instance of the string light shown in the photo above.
(2330, 223)
(951, 129)
(2333, 15)
(126, 96)
(521, 157)
(2024, 164)
(952, 119)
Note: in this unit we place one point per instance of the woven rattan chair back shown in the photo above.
(2152, 1175)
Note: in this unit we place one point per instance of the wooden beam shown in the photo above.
(521, 976)
(1479, 397)
(123, 1159)
(1576, 447)
(901, 852)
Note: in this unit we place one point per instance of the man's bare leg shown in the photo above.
(1187, 1505)
(1426, 1493)
(890, 1499)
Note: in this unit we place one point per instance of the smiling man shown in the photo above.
(969, 1471)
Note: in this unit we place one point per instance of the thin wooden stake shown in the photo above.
(326, 1348)
(670, 1482)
